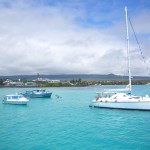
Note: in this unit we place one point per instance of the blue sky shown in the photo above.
(71, 36)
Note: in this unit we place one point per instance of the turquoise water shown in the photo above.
(69, 124)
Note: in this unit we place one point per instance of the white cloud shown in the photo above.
(49, 40)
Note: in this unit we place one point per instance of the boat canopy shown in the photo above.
(14, 96)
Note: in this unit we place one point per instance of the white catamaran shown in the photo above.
(120, 99)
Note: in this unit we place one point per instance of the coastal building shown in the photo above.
(19, 83)
(30, 84)
(7, 82)
(54, 81)
(12, 83)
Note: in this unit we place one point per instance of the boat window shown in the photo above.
(20, 96)
(14, 97)
(136, 97)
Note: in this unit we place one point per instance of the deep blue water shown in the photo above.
(69, 123)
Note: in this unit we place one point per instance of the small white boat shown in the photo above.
(122, 98)
(15, 99)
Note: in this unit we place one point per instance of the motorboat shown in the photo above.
(39, 93)
(15, 99)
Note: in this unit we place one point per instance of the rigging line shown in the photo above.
(144, 59)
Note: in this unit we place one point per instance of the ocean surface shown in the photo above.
(68, 123)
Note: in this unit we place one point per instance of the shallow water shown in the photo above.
(69, 122)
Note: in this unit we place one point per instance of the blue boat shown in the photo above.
(37, 94)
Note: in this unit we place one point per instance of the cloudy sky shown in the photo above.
(72, 36)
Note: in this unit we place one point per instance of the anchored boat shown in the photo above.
(40, 93)
(122, 98)
(15, 99)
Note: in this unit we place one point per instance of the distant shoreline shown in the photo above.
(70, 82)
(75, 76)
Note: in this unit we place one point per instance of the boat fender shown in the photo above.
(106, 101)
(115, 100)
(96, 98)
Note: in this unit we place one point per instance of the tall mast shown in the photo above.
(128, 53)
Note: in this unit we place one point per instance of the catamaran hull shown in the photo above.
(123, 105)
